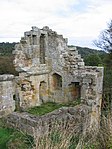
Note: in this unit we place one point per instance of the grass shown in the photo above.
(49, 107)
(57, 139)
(13, 139)
(60, 137)
(5, 135)
(19, 140)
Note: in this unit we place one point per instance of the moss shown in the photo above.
(50, 106)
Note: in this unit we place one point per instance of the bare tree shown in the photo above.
(105, 39)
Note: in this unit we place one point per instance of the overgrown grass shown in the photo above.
(50, 106)
(59, 138)
(71, 138)
(5, 135)
(13, 139)
(19, 140)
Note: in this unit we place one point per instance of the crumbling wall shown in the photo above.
(42, 53)
(31, 91)
(75, 118)
(91, 91)
(49, 71)
(7, 103)
(43, 56)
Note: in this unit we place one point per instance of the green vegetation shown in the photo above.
(6, 65)
(84, 51)
(93, 60)
(74, 139)
(50, 106)
(6, 58)
(18, 140)
(13, 139)
(5, 135)
(6, 48)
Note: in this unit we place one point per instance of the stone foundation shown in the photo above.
(74, 117)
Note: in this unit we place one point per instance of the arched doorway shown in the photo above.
(42, 91)
(74, 89)
(56, 81)
(56, 88)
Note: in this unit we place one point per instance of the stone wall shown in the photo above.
(49, 70)
(7, 89)
(75, 118)
(31, 90)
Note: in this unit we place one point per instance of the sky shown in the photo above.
(81, 21)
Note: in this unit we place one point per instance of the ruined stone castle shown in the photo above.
(49, 70)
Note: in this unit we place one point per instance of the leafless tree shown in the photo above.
(105, 39)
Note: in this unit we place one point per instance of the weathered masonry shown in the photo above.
(51, 71)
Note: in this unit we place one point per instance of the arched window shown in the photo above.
(42, 91)
(57, 81)
(74, 89)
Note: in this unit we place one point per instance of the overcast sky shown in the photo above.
(80, 21)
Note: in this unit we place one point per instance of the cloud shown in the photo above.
(75, 19)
